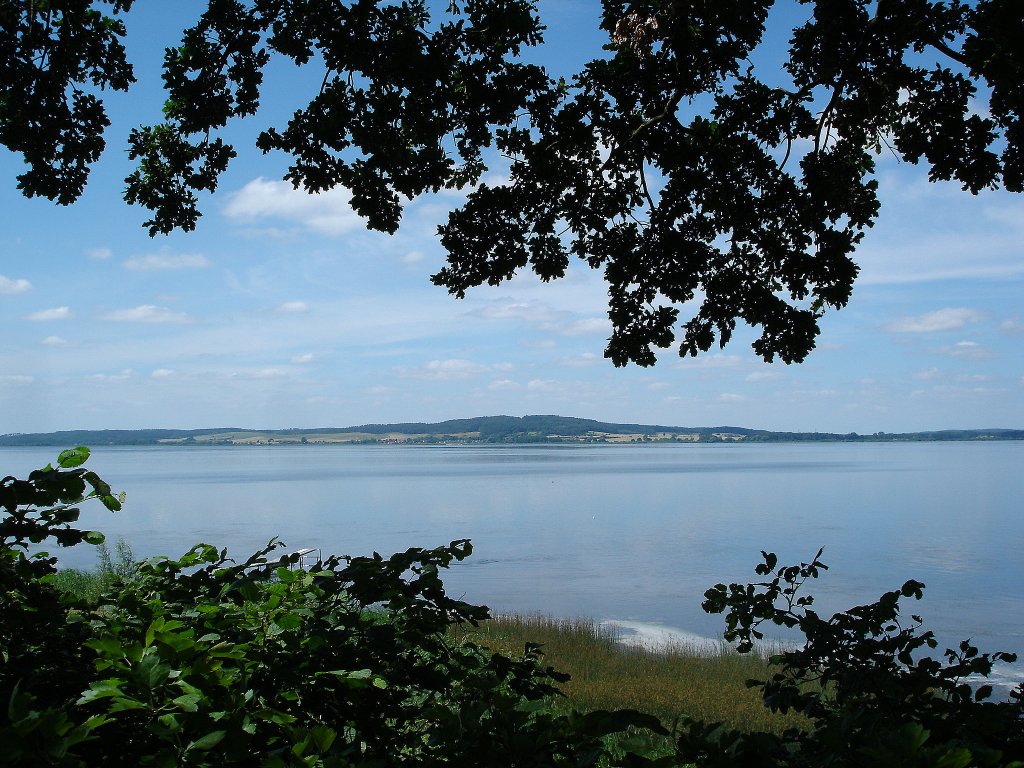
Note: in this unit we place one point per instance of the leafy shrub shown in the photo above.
(861, 677)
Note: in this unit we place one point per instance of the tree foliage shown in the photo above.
(670, 162)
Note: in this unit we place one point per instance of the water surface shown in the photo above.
(629, 533)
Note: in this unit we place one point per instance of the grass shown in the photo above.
(706, 682)
(90, 585)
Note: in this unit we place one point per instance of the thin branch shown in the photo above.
(647, 192)
(837, 92)
(789, 148)
(955, 55)
(667, 111)
(638, 221)
(883, 140)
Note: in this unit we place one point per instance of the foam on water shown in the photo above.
(655, 636)
(1003, 679)
(638, 634)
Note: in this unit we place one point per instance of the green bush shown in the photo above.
(863, 680)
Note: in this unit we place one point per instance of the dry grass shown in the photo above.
(704, 682)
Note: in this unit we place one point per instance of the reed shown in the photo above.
(704, 681)
(91, 584)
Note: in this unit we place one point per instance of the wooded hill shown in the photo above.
(485, 429)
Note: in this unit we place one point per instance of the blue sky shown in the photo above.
(282, 310)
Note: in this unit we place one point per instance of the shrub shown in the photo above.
(863, 680)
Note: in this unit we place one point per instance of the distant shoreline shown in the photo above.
(508, 430)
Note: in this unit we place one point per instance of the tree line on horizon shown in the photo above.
(489, 429)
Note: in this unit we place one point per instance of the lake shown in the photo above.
(631, 533)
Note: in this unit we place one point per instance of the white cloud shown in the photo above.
(99, 254)
(515, 310)
(730, 397)
(581, 361)
(123, 375)
(412, 257)
(819, 393)
(258, 374)
(503, 384)
(763, 375)
(543, 385)
(11, 286)
(971, 350)
(56, 313)
(948, 319)
(161, 373)
(147, 313)
(292, 308)
(586, 326)
(929, 374)
(54, 341)
(268, 373)
(328, 213)
(16, 379)
(931, 231)
(714, 362)
(152, 262)
(445, 370)
(302, 359)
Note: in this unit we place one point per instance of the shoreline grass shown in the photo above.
(89, 585)
(705, 681)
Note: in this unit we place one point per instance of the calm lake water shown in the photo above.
(629, 533)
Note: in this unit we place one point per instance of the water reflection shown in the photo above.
(633, 533)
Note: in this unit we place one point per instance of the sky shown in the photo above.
(281, 310)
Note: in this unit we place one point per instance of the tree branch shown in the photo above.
(667, 111)
(647, 192)
(954, 54)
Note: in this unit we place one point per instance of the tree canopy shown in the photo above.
(709, 185)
